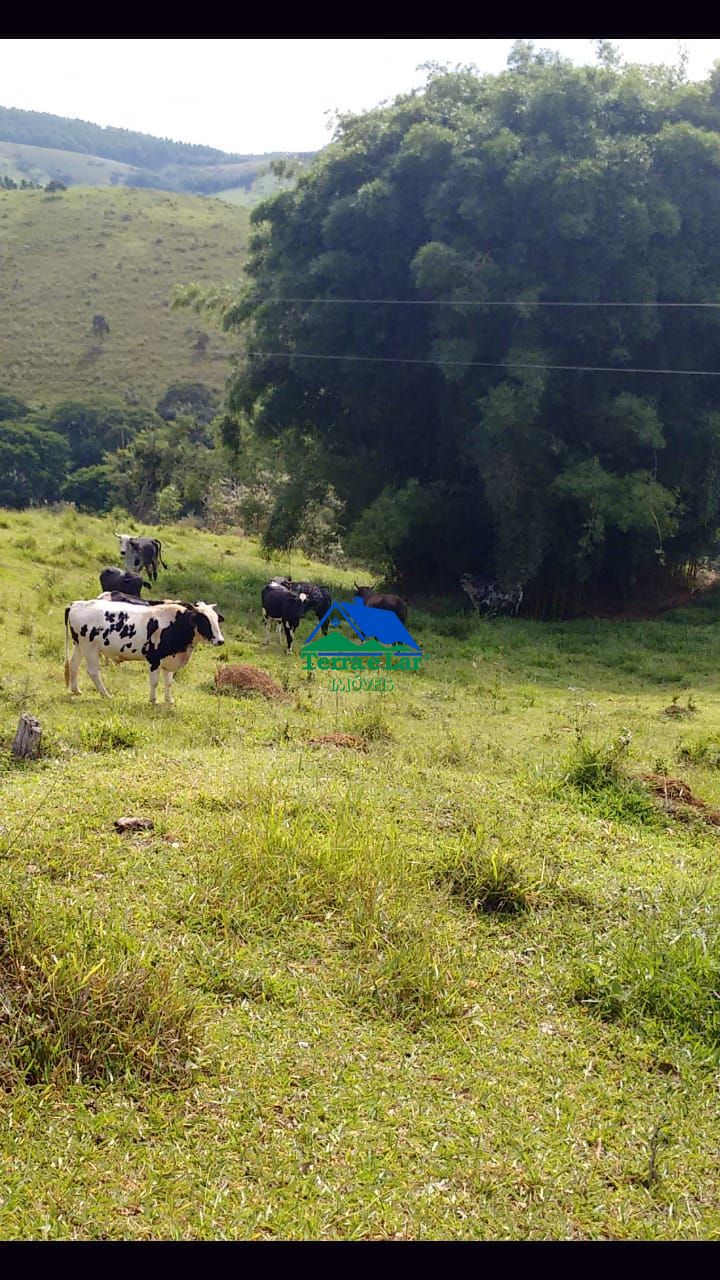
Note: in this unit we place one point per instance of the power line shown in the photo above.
(443, 302)
(477, 364)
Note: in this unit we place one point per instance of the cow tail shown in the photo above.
(160, 554)
(67, 663)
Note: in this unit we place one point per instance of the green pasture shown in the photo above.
(460, 983)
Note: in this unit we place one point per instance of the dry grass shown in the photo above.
(350, 740)
(242, 678)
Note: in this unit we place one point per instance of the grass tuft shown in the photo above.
(491, 883)
(77, 1007)
(108, 735)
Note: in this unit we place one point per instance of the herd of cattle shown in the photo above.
(163, 633)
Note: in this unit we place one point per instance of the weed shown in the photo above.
(594, 767)
(371, 724)
(488, 882)
(108, 735)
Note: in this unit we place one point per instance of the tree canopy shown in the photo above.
(507, 440)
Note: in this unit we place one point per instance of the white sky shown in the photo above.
(254, 96)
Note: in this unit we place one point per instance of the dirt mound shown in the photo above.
(350, 740)
(239, 678)
(677, 799)
(676, 712)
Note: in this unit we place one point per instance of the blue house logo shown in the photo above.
(377, 640)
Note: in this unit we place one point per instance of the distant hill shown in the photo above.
(40, 146)
(117, 253)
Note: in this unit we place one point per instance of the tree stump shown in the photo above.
(26, 744)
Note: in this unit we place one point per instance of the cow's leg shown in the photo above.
(168, 679)
(289, 634)
(154, 677)
(267, 623)
(93, 667)
(75, 668)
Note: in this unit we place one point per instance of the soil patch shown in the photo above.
(350, 740)
(239, 678)
(677, 799)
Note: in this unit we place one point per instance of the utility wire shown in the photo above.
(442, 302)
(476, 364)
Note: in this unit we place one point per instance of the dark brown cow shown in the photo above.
(379, 600)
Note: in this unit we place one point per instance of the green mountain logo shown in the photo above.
(338, 643)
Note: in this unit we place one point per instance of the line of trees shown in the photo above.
(41, 129)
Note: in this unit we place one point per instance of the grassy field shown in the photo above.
(458, 982)
(117, 252)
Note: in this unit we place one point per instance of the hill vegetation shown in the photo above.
(403, 297)
(117, 254)
(426, 964)
(43, 147)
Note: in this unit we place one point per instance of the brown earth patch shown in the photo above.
(677, 799)
(350, 740)
(240, 678)
(676, 712)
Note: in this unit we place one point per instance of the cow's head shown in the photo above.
(206, 620)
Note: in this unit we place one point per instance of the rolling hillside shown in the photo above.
(38, 146)
(116, 252)
(42, 164)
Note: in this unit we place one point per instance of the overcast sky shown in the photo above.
(255, 96)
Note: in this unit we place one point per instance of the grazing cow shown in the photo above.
(489, 599)
(163, 634)
(319, 598)
(114, 579)
(283, 606)
(376, 600)
(141, 553)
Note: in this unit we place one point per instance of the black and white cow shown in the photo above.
(489, 599)
(319, 598)
(283, 606)
(141, 553)
(114, 579)
(162, 634)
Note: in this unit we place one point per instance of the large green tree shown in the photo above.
(546, 183)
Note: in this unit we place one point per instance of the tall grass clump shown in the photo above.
(662, 972)
(76, 1006)
(596, 772)
(407, 963)
(108, 735)
(490, 883)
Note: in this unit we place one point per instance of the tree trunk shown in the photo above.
(26, 745)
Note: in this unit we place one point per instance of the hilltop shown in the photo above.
(118, 253)
(39, 146)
